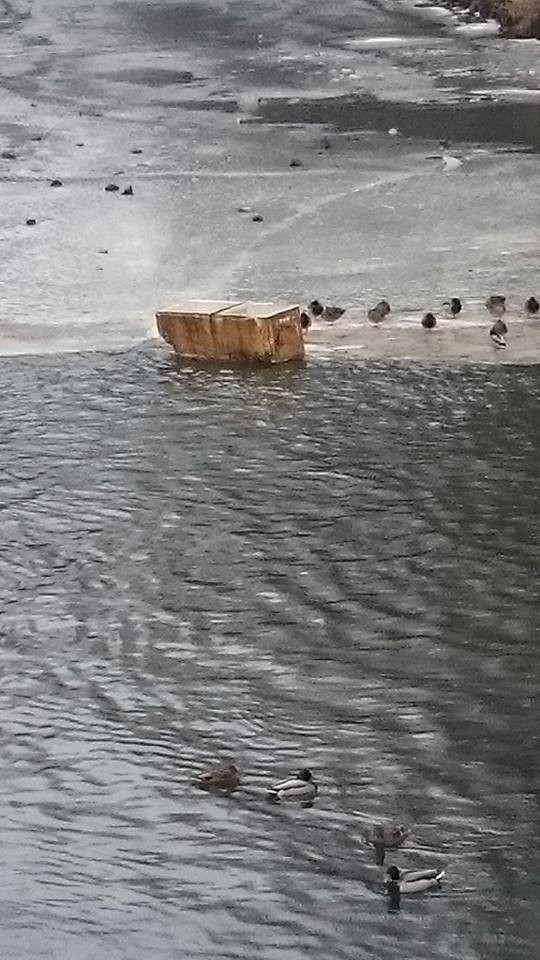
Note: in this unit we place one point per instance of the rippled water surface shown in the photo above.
(328, 565)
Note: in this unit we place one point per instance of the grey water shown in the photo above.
(332, 565)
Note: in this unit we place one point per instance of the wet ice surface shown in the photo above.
(218, 122)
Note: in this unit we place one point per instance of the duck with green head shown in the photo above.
(301, 788)
(410, 881)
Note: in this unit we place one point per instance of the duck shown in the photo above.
(386, 836)
(377, 313)
(331, 314)
(454, 306)
(224, 777)
(497, 334)
(496, 305)
(411, 881)
(316, 308)
(305, 320)
(429, 320)
(532, 305)
(301, 788)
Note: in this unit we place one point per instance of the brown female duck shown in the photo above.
(385, 836)
(225, 777)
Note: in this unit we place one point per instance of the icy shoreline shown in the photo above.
(404, 339)
(384, 155)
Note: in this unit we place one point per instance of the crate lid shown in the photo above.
(200, 307)
(254, 310)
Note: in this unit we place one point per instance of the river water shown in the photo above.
(333, 565)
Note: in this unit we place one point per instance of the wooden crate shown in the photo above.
(222, 330)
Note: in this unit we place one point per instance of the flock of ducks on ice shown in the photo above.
(302, 789)
(496, 306)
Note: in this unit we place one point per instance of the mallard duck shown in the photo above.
(453, 306)
(532, 305)
(497, 334)
(379, 311)
(301, 788)
(429, 320)
(305, 320)
(330, 314)
(316, 308)
(411, 881)
(225, 777)
(496, 305)
(386, 836)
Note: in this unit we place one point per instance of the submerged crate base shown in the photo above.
(222, 330)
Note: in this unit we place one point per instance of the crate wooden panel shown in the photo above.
(223, 330)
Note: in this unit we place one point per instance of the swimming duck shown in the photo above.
(330, 314)
(496, 305)
(225, 777)
(379, 311)
(301, 788)
(429, 320)
(497, 334)
(386, 836)
(411, 881)
(532, 305)
(316, 308)
(305, 320)
(453, 306)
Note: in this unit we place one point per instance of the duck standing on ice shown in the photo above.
(331, 314)
(496, 305)
(497, 334)
(453, 306)
(377, 313)
(316, 308)
(320, 312)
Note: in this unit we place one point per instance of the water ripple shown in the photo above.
(326, 565)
